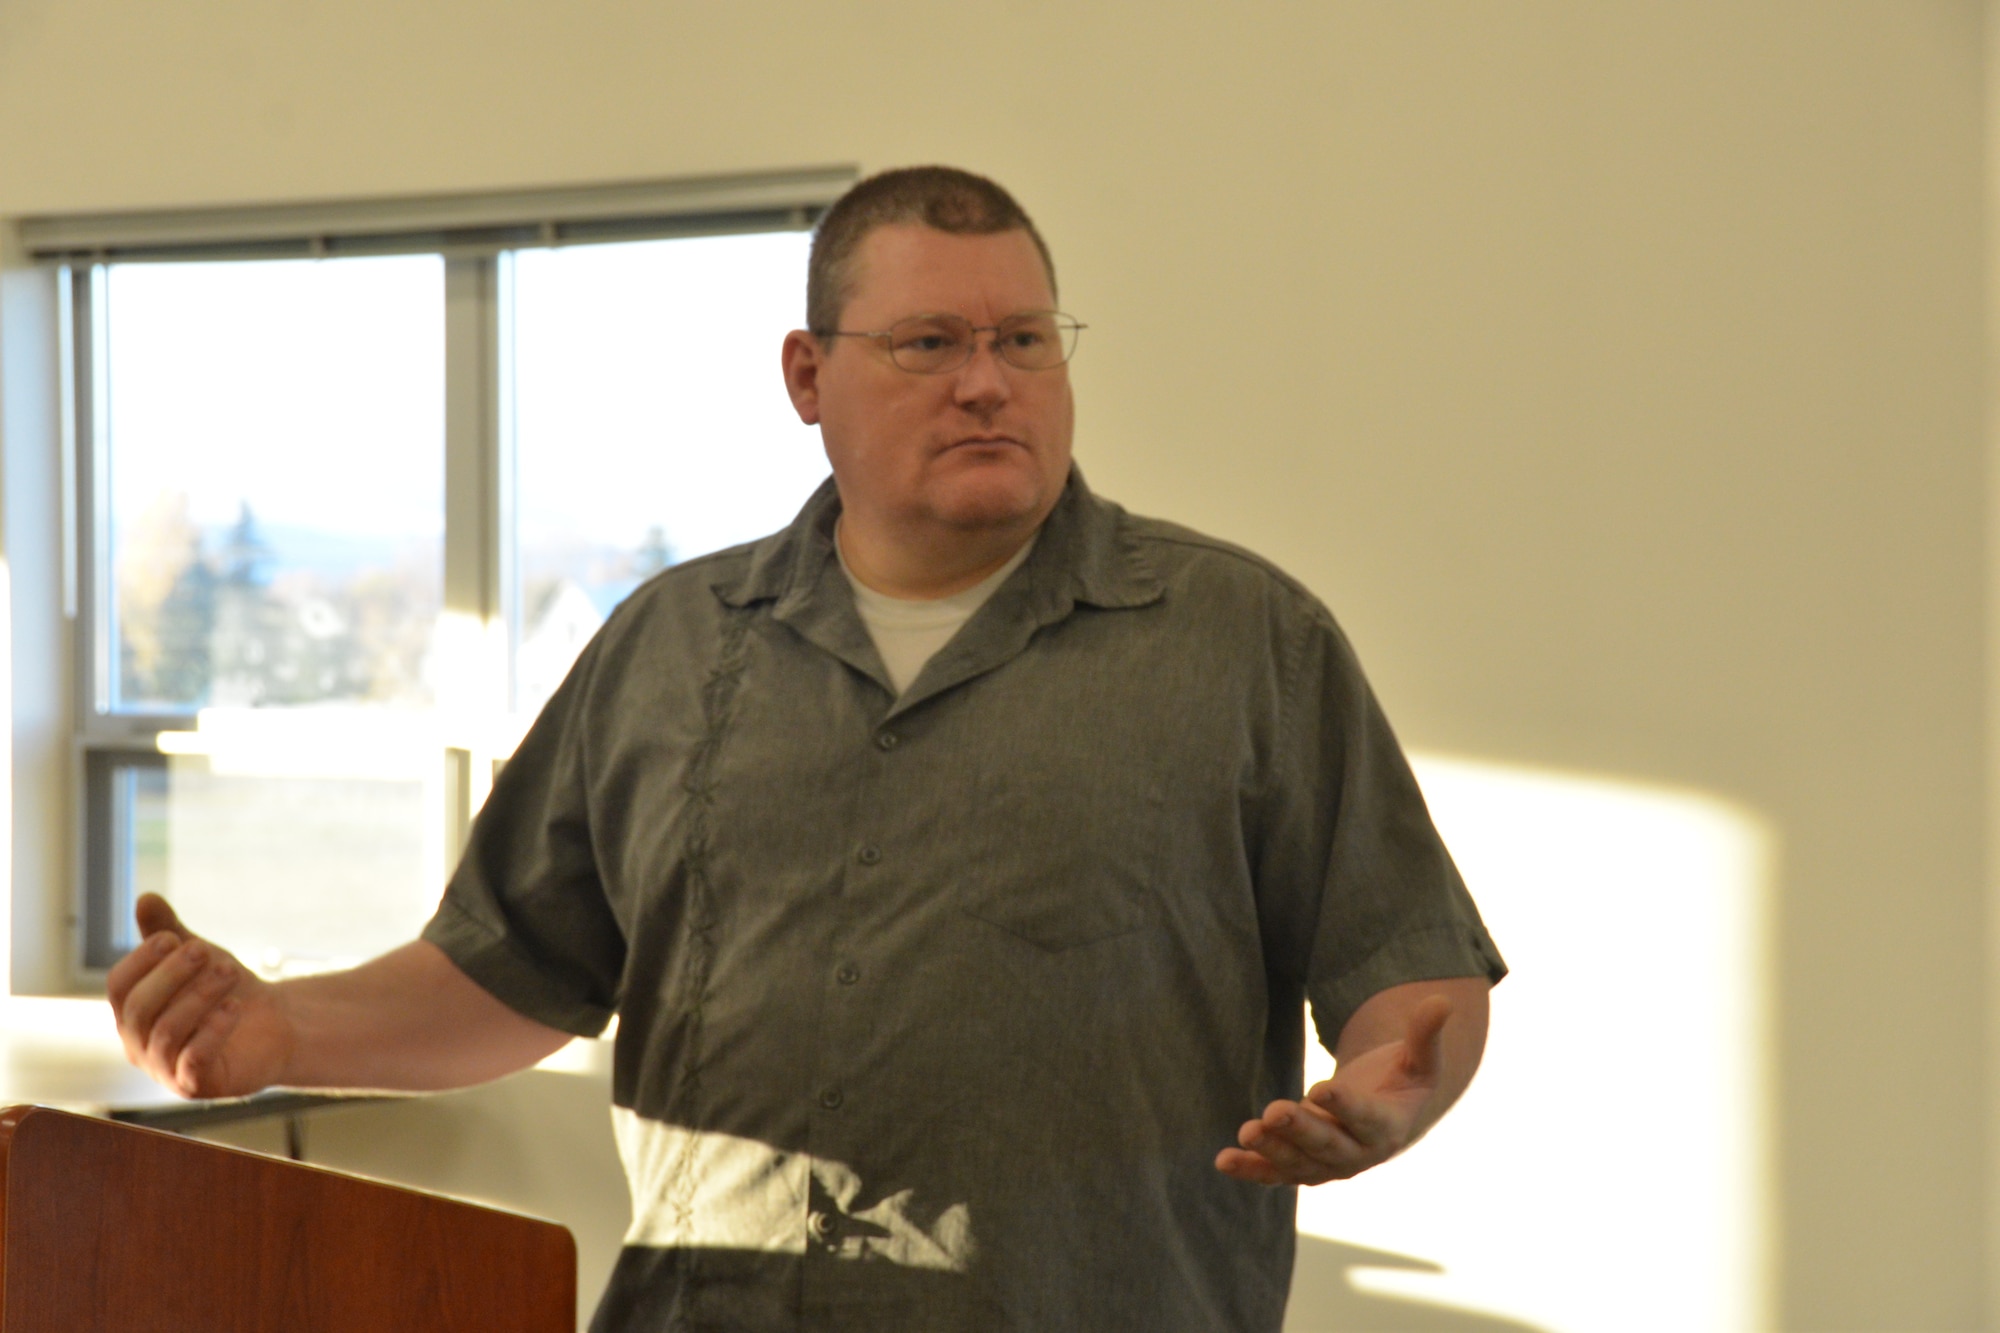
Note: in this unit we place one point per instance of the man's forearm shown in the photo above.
(1385, 1017)
(410, 1021)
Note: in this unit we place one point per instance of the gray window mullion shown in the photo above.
(477, 494)
(66, 437)
(479, 563)
(90, 383)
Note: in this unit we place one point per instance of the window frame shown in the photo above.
(476, 235)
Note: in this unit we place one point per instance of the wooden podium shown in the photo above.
(114, 1228)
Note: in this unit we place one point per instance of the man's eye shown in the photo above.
(931, 339)
(1029, 334)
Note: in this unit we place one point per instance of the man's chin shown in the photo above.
(984, 502)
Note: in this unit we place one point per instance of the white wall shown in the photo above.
(39, 747)
(1615, 371)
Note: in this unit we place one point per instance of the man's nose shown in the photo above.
(982, 381)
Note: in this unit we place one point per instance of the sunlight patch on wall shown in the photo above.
(1606, 1170)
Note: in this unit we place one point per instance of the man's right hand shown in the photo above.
(192, 1016)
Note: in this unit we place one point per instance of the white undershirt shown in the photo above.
(909, 633)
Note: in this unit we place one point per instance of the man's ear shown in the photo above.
(803, 356)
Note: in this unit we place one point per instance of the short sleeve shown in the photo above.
(525, 914)
(1357, 890)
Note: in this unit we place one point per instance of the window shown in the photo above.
(643, 437)
(354, 488)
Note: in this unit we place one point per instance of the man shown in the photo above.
(957, 861)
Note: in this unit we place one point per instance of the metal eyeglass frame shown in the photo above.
(1067, 329)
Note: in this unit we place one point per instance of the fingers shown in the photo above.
(1294, 1144)
(161, 933)
(134, 966)
(154, 913)
(1366, 1114)
(170, 991)
(1366, 1122)
(146, 980)
(1242, 1165)
(183, 1015)
(198, 1070)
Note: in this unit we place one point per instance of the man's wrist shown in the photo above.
(286, 1071)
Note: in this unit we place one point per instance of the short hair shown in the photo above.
(944, 198)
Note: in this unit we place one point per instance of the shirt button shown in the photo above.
(831, 1099)
(888, 740)
(869, 855)
(821, 1227)
(848, 974)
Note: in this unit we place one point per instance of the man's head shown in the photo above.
(942, 198)
(930, 465)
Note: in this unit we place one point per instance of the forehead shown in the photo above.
(906, 269)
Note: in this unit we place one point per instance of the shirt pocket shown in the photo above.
(1063, 857)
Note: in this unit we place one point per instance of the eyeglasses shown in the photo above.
(935, 344)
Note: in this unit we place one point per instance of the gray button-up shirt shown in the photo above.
(935, 1009)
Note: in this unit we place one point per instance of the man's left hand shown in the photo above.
(1378, 1103)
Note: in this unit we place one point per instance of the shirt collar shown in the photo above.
(1084, 555)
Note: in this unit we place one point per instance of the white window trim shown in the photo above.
(471, 223)
(51, 512)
